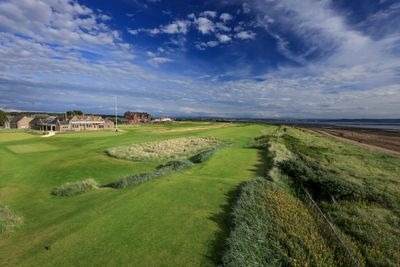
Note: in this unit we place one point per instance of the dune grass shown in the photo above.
(165, 149)
(358, 190)
(355, 220)
(75, 188)
(9, 221)
(163, 170)
(271, 225)
(273, 228)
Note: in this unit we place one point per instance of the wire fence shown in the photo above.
(330, 230)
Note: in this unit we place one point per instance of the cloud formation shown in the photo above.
(56, 55)
(207, 23)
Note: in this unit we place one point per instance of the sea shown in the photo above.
(383, 124)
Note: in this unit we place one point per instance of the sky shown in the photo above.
(255, 59)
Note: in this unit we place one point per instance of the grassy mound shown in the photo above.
(75, 188)
(165, 149)
(273, 228)
(168, 168)
(8, 220)
(271, 225)
(356, 188)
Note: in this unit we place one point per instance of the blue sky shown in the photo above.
(237, 58)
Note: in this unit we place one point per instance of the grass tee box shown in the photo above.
(165, 149)
(31, 148)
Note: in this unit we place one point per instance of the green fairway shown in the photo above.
(176, 220)
(29, 148)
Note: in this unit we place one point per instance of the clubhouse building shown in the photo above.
(59, 123)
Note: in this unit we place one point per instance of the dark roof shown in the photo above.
(47, 120)
(14, 119)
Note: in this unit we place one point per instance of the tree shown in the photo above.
(71, 113)
(3, 117)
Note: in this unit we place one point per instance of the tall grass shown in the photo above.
(357, 189)
(75, 188)
(273, 228)
(166, 169)
(9, 221)
(203, 156)
(166, 149)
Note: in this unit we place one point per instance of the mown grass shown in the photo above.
(174, 221)
(181, 220)
(165, 149)
(31, 148)
(9, 221)
(75, 188)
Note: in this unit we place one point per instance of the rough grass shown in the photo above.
(203, 156)
(166, 149)
(9, 221)
(358, 189)
(168, 168)
(273, 228)
(75, 188)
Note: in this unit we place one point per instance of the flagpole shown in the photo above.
(116, 114)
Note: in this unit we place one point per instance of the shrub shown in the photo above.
(162, 170)
(202, 156)
(75, 188)
(8, 220)
(260, 142)
(165, 149)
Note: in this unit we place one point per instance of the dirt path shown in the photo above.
(50, 134)
(381, 149)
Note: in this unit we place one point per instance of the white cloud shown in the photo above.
(157, 61)
(209, 14)
(104, 17)
(246, 8)
(150, 54)
(133, 32)
(62, 22)
(204, 25)
(243, 35)
(225, 17)
(222, 27)
(212, 43)
(223, 38)
(205, 45)
(176, 27)
(179, 26)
